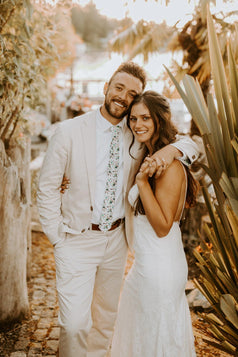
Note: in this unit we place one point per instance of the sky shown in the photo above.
(177, 10)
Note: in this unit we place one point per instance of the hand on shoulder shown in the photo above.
(173, 175)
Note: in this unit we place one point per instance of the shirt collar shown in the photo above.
(104, 125)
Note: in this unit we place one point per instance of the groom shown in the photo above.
(90, 226)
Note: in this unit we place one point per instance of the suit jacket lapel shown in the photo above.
(127, 158)
(89, 138)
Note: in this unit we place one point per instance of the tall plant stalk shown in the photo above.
(217, 120)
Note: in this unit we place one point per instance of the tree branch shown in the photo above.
(9, 16)
(4, 133)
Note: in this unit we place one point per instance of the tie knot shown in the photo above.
(115, 129)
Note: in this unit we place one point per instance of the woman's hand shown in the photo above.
(160, 160)
(147, 169)
(65, 184)
(164, 158)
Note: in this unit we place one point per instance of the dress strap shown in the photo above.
(186, 188)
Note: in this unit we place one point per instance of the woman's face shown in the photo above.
(141, 123)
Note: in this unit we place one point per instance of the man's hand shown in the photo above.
(148, 166)
(64, 184)
(159, 161)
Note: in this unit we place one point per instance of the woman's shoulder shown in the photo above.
(175, 172)
(175, 167)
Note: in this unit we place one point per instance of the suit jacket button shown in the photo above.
(91, 208)
(83, 230)
(193, 156)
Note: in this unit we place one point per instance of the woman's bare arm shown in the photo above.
(161, 208)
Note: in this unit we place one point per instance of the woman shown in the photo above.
(153, 318)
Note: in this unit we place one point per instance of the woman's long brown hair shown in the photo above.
(164, 134)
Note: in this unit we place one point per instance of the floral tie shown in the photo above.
(111, 183)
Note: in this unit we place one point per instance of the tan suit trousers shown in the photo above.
(89, 273)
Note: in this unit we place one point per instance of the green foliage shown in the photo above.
(29, 56)
(218, 124)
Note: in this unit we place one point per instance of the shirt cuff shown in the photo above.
(184, 158)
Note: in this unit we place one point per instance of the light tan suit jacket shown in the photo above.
(72, 151)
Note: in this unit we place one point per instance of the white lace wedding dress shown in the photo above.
(154, 318)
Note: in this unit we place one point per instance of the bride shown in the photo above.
(153, 318)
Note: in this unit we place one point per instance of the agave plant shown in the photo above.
(217, 120)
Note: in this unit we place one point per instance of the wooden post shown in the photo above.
(15, 237)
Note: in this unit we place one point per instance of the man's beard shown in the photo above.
(114, 115)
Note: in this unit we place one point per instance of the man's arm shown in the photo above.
(185, 150)
(48, 195)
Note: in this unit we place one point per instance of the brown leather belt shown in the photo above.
(95, 227)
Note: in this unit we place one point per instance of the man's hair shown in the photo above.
(134, 70)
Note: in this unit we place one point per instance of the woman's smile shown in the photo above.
(141, 123)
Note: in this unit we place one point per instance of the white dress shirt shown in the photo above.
(103, 141)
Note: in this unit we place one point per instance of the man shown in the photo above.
(86, 224)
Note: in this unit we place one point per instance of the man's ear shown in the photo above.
(105, 88)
